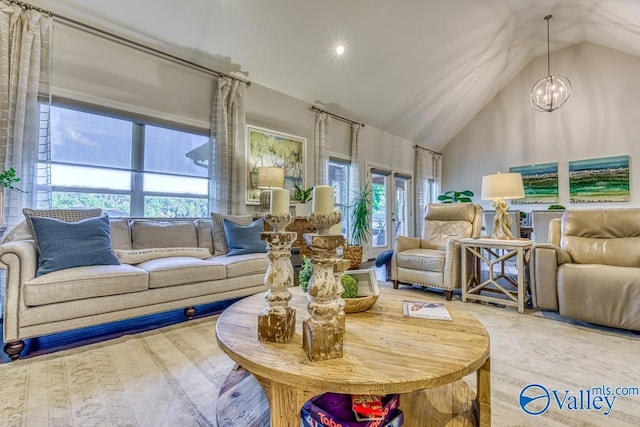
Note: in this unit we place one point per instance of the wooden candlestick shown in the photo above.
(276, 323)
(323, 332)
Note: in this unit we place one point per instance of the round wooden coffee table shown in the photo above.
(384, 353)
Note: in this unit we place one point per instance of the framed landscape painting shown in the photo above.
(540, 183)
(266, 147)
(599, 180)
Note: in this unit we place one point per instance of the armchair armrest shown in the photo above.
(402, 244)
(20, 259)
(543, 273)
(452, 262)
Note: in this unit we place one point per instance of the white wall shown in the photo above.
(600, 119)
(90, 69)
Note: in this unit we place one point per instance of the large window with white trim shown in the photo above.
(125, 166)
(339, 180)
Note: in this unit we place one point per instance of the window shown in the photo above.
(339, 180)
(126, 167)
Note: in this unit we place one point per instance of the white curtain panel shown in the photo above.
(320, 136)
(354, 168)
(227, 159)
(428, 173)
(25, 71)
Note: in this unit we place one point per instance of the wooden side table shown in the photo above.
(494, 253)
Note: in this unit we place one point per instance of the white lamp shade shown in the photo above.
(502, 186)
(270, 177)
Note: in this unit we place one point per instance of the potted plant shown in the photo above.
(456, 196)
(302, 197)
(556, 207)
(8, 179)
(360, 208)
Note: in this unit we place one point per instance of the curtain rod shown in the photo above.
(344, 119)
(426, 149)
(129, 43)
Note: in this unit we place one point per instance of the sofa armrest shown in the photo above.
(543, 273)
(402, 244)
(20, 259)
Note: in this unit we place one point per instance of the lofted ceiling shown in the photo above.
(418, 69)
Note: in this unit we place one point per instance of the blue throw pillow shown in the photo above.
(73, 244)
(243, 239)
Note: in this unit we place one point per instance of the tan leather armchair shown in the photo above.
(590, 270)
(434, 259)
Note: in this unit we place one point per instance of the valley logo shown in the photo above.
(535, 399)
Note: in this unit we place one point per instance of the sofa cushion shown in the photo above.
(219, 238)
(421, 259)
(136, 256)
(242, 265)
(176, 271)
(19, 232)
(64, 245)
(602, 294)
(244, 239)
(436, 231)
(66, 215)
(204, 229)
(84, 282)
(120, 233)
(163, 234)
(602, 236)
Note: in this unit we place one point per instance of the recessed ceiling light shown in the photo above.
(340, 49)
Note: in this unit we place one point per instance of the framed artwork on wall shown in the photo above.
(599, 180)
(540, 183)
(266, 147)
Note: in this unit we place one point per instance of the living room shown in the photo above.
(467, 104)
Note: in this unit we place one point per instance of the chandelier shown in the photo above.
(549, 93)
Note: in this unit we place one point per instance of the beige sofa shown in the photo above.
(85, 296)
(434, 259)
(590, 270)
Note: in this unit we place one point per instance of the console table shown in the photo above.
(494, 253)
(384, 353)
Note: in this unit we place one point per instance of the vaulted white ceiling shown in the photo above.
(418, 69)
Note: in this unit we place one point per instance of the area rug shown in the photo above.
(171, 376)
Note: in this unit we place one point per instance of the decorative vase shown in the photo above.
(303, 209)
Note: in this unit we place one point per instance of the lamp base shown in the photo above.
(502, 221)
(265, 199)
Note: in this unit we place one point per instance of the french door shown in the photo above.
(391, 208)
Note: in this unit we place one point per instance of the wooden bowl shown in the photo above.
(358, 304)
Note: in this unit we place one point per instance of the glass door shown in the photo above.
(402, 201)
(380, 217)
(391, 208)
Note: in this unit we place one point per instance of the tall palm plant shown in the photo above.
(361, 209)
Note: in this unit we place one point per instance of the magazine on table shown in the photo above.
(426, 310)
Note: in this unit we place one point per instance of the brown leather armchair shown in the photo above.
(590, 270)
(434, 259)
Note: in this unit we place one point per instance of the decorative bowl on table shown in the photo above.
(358, 304)
(368, 291)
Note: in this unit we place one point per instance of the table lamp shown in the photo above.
(269, 177)
(496, 188)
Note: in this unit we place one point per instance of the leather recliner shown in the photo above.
(590, 270)
(433, 260)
